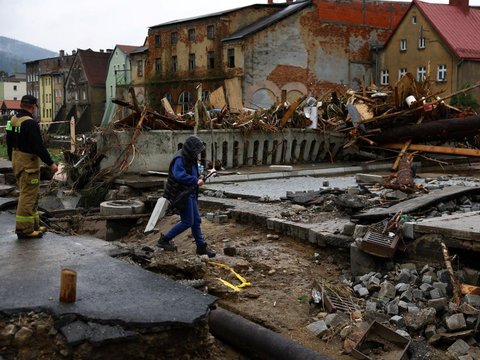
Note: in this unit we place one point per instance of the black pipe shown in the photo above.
(256, 340)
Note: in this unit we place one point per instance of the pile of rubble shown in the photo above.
(416, 304)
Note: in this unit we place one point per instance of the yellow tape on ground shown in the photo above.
(237, 288)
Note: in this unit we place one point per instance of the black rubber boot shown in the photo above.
(166, 244)
(203, 249)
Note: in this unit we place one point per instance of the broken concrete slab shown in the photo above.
(108, 289)
(416, 203)
(461, 230)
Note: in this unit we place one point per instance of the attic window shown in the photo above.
(421, 43)
(414, 20)
(403, 45)
(157, 41)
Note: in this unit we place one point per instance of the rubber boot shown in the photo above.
(203, 249)
(33, 235)
(42, 229)
(166, 244)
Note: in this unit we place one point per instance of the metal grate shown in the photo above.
(335, 303)
(379, 244)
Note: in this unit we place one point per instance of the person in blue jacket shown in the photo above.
(182, 192)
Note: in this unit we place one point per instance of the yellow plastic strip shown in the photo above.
(244, 282)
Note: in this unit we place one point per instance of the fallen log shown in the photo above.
(444, 129)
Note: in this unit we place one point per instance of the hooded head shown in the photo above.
(192, 147)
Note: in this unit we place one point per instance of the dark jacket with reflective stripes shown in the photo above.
(26, 137)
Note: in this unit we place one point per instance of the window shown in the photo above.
(185, 101)
(158, 66)
(205, 95)
(231, 57)
(191, 34)
(174, 37)
(173, 67)
(111, 91)
(210, 32)
(442, 73)
(211, 60)
(384, 77)
(84, 95)
(403, 45)
(401, 72)
(158, 41)
(169, 98)
(421, 42)
(191, 62)
(414, 20)
(14, 87)
(139, 67)
(421, 73)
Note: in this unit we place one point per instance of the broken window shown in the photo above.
(421, 73)
(231, 57)
(442, 72)
(403, 45)
(157, 41)
(401, 72)
(139, 68)
(191, 62)
(158, 66)
(173, 67)
(211, 32)
(211, 60)
(384, 77)
(174, 37)
(421, 43)
(185, 101)
(191, 34)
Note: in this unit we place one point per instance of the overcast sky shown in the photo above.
(101, 24)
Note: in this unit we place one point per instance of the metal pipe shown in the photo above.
(257, 341)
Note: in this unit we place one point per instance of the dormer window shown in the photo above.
(403, 45)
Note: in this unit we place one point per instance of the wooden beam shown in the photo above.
(469, 289)
(435, 149)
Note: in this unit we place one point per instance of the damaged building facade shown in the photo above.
(276, 51)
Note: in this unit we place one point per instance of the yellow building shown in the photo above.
(437, 42)
(46, 99)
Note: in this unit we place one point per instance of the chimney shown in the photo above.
(270, 1)
(109, 51)
(461, 4)
(102, 51)
(74, 52)
(61, 53)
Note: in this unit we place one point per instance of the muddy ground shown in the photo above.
(281, 272)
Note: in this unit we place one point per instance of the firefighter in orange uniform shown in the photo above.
(25, 150)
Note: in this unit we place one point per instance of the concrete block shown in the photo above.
(210, 216)
(318, 327)
(221, 219)
(458, 348)
(368, 179)
(456, 322)
(348, 229)
(280, 168)
(473, 300)
(397, 320)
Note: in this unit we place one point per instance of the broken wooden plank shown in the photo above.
(469, 289)
(436, 149)
(158, 213)
(217, 98)
(405, 148)
(166, 105)
(288, 114)
(234, 94)
(453, 279)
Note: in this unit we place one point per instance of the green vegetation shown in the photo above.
(56, 154)
(465, 101)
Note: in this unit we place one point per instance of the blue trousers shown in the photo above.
(189, 218)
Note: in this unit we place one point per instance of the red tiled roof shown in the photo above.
(127, 49)
(459, 29)
(95, 66)
(11, 104)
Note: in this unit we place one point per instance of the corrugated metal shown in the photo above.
(268, 20)
(458, 28)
